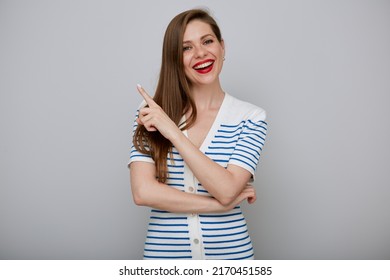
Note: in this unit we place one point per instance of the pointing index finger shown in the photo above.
(149, 100)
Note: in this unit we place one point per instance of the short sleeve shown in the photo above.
(135, 155)
(250, 142)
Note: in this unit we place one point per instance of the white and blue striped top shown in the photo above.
(236, 137)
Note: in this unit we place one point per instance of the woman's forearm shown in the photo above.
(169, 199)
(147, 191)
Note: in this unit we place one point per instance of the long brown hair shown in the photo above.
(173, 90)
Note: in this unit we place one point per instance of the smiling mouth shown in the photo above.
(204, 67)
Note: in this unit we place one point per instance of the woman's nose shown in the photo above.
(200, 51)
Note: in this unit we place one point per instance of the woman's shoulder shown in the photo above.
(245, 110)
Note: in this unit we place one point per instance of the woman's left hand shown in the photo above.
(251, 199)
(154, 118)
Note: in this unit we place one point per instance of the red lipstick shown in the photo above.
(204, 66)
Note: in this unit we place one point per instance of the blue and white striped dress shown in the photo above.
(236, 137)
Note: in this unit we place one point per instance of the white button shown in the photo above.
(196, 241)
(191, 189)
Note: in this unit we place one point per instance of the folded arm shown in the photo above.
(147, 191)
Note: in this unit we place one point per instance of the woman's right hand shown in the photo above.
(154, 118)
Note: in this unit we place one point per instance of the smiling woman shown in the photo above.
(195, 150)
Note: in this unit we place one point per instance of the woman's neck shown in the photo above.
(207, 96)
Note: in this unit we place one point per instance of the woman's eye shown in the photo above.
(208, 41)
(186, 48)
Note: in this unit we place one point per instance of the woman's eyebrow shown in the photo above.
(201, 38)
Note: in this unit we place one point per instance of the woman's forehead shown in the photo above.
(196, 30)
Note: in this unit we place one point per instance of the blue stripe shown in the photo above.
(133, 156)
(227, 247)
(166, 257)
(180, 179)
(218, 154)
(218, 216)
(168, 231)
(225, 241)
(169, 218)
(175, 185)
(240, 150)
(237, 159)
(215, 229)
(167, 244)
(230, 253)
(175, 172)
(222, 142)
(159, 211)
(170, 238)
(238, 154)
(220, 160)
(168, 225)
(204, 191)
(168, 251)
(221, 235)
(222, 136)
(225, 222)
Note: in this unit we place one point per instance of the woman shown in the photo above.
(195, 148)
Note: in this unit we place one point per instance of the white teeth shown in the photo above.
(203, 65)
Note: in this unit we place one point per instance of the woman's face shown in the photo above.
(202, 54)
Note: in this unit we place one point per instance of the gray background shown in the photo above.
(69, 71)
